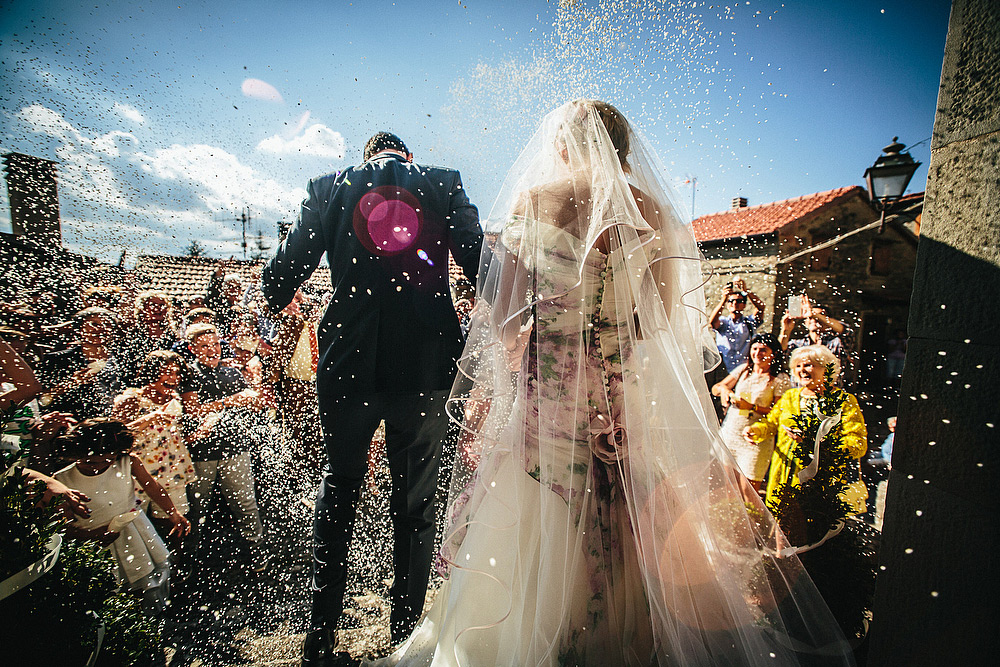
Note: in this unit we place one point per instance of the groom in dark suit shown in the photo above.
(388, 344)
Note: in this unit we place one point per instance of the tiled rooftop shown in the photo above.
(184, 277)
(767, 218)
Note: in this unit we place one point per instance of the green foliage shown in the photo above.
(843, 570)
(131, 636)
(195, 249)
(808, 511)
(85, 576)
(26, 525)
(844, 567)
(56, 618)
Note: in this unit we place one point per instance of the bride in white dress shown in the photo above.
(595, 516)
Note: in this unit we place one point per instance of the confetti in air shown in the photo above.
(665, 63)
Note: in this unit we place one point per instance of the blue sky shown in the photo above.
(168, 118)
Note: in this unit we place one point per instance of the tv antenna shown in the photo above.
(244, 219)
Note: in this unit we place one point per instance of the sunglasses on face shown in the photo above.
(737, 300)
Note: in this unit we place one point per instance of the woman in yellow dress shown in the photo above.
(808, 365)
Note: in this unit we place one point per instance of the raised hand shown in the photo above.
(182, 526)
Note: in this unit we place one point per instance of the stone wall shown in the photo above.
(871, 297)
(753, 259)
(936, 599)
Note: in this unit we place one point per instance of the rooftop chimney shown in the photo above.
(34, 199)
(738, 203)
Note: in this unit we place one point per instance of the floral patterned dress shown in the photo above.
(573, 405)
(162, 451)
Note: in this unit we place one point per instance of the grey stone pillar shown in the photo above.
(938, 595)
(34, 198)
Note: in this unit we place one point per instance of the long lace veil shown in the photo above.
(595, 517)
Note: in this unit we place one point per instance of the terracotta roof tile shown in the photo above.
(767, 218)
(184, 277)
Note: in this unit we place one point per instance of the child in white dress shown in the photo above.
(104, 469)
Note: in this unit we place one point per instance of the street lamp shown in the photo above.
(888, 177)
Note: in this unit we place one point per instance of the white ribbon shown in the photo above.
(833, 532)
(825, 426)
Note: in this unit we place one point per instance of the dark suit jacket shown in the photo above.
(386, 226)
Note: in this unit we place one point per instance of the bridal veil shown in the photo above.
(595, 517)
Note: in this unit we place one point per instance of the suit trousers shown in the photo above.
(415, 425)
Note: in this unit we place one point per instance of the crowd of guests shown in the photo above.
(138, 409)
(152, 405)
(771, 380)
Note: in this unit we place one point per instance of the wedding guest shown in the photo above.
(733, 333)
(126, 303)
(218, 400)
(190, 303)
(75, 501)
(153, 412)
(464, 296)
(102, 296)
(895, 356)
(18, 383)
(22, 343)
(40, 338)
(883, 459)
(153, 331)
(84, 378)
(18, 404)
(821, 329)
(808, 365)
(200, 315)
(293, 362)
(749, 392)
(103, 469)
(244, 343)
(223, 295)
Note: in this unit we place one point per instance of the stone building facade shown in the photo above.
(826, 245)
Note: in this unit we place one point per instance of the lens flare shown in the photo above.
(387, 220)
(260, 90)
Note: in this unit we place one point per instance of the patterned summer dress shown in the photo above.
(163, 452)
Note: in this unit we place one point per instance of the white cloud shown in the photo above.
(318, 140)
(82, 166)
(46, 121)
(301, 122)
(117, 192)
(221, 180)
(129, 112)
